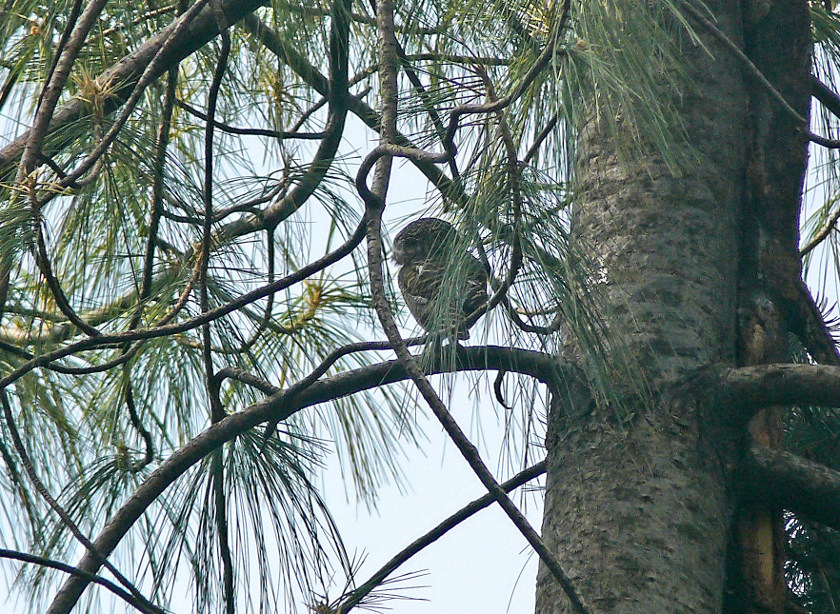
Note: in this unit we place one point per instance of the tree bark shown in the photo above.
(637, 509)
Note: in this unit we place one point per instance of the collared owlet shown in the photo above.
(441, 282)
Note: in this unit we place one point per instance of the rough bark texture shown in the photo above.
(639, 512)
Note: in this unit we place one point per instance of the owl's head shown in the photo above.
(424, 239)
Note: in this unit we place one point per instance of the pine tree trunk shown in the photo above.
(638, 510)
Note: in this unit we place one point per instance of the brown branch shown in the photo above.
(275, 134)
(824, 141)
(543, 367)
(827, 97)
(25, 557)
(793, 483)
(748, 389)
(159, 64)
(542, 136)
(374, 205)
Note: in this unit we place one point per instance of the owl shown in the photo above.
(441, 282)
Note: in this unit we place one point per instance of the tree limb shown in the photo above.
(124, 74)
(49, 563)
(794, 483)
(752, 388)
(357, 596)
(825, 95)
(281, 406)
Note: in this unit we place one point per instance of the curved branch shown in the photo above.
(824, 141)
(539, 365)
(827, 97)
(374, 205)
(314, 79)
(749, 389)
(791, 482)
(280, 135)
(25, 557)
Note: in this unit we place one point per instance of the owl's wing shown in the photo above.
(439, 303)
(421, 281)
(420, 286)
(475, 294)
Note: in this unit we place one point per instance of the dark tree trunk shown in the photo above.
(773, 298)
(639, 510)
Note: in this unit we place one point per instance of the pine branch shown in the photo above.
(793, 483)
(749, 389)
(539, 365)
(125, 74)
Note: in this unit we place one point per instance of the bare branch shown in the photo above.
(357, 596)
(793, 483)
(374, 205)
(827, 97)
(274, 134)
(824, 141)
(25, 557)
(752, 388)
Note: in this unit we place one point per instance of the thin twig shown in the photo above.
(134, 417)
(141, 18)
(262, 325)
(156, 206)
(41, 561)
(217, 412)
(357, 596)
(275, 134)
(535, 146)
